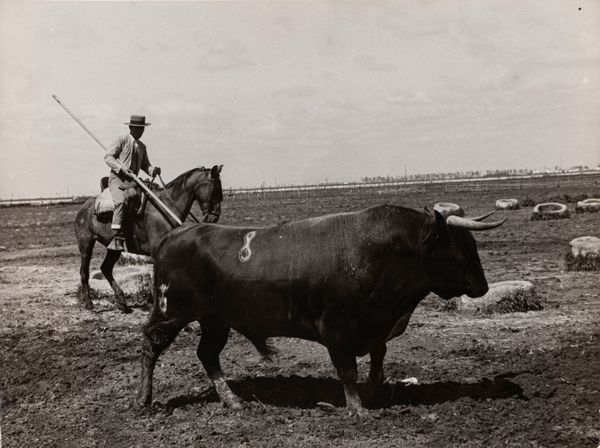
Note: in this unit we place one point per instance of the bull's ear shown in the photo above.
(438, 233)
(219, 168)
(214, 172)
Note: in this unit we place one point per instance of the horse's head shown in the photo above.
(208, 193)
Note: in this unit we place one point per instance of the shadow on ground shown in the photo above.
(306, 392)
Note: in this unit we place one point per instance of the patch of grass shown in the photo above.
(589, 263)
(519, 303)
(550, 216)
(129, 259)
(528, 202)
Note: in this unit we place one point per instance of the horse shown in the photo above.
(144, 231)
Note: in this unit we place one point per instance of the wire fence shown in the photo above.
(588, 180)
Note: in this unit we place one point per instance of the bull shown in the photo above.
(349, 281)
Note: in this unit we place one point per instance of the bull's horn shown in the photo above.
(470, 224)
(482, 217)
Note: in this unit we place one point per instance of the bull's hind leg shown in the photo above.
(376, 370)
(107, 269)
(214, 337)
(86, 248)
(158, 335)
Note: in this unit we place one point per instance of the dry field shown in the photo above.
(67, 375)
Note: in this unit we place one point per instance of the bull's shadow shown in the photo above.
(306, 392)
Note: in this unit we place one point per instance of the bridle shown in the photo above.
(206, 213)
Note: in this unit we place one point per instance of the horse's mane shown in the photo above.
(178, 183)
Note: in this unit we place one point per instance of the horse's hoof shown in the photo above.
(359, 412)
(88, 305)
(138, 405)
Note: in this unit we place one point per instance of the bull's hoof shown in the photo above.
(88, 305)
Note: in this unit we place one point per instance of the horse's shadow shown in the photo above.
(306, 392)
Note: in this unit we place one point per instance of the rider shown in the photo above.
(131, 153)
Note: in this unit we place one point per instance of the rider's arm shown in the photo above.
(113, 154)
(146, 164)
(149, 169)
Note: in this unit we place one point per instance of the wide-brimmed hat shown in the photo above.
(137, 120)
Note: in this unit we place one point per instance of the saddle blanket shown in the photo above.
(104, 204)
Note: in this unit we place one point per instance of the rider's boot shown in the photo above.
(118, 241)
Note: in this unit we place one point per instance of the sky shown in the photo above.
(297, 92)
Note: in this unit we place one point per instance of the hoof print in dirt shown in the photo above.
(503, 297)
(584, 254)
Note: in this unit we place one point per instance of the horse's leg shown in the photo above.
(159, 332)
(107, 268)
(86, 248)
(213, 339)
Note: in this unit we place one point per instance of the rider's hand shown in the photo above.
(155, 171)
(127, 173)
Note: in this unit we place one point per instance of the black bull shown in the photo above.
(349, 281)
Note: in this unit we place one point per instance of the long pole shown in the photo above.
(137, 180)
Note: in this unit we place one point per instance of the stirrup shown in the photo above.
(117, 243)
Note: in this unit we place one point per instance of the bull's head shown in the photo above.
(451, 255)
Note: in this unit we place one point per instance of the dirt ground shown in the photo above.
(67, 375)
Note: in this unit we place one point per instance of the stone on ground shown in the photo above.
(507, 204)
(584, 254)
(448, 208)
(550, 210)
(591, 205)
(503, 297)
(131, 279)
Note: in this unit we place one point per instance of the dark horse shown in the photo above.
(145, 231)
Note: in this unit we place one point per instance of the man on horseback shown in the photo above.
(131, 153)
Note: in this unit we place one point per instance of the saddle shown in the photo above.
(134, 198)
(104, 206)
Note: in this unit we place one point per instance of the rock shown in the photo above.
(550, 210)
(584, 254)
(585, 246)
(503, 297)
(131, 279)
(591, 205)
(507, 204)
(448, 208)
(128, 258)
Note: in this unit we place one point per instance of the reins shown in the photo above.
(162, 184)
(204, 213)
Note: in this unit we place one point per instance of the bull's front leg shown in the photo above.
(345, 364)
(158, 335)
